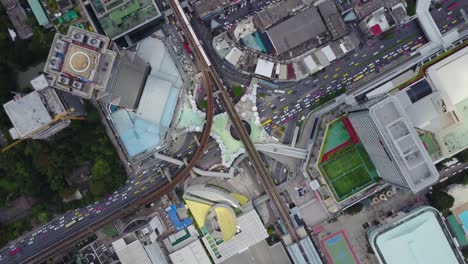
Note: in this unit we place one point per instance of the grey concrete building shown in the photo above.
(393, 144)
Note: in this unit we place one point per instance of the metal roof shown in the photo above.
(38, 12)
(417, 238)
(296, 30)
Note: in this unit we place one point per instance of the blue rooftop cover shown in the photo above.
(38, 12)
(136, 134)
(179, 224)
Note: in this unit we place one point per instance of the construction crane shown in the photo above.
(63, 116)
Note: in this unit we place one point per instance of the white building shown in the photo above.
(35, 115)
(194, 253)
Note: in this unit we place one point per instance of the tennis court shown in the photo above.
(336, 135)
(338, 249)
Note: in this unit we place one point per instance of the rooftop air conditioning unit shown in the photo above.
(78, 36)
(55, 63)
(77, 85)
(94, 42)
(60, 46)
(64, 80)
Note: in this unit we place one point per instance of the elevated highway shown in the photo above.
(78, 232)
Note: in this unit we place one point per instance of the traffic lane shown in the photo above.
(83, 216)
(444, 15)
(355, 61)
(312, 98)
(359, 56)
(51, 238)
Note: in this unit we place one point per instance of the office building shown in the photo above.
(80, 62)
(393, 144)
(119, 18)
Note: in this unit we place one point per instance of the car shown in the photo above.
(81, 218)
(14, 251)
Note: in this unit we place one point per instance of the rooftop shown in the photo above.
(80, 62)
(333, 19)
(27, 113)
(146, 128)
(252, 232)
(264, 68)
(130, 76)
(38, 12)
(205, 8)
(119, 17)
(419, 237)
(194, 253)
(274, 13)
(439, 103)
(401, 138)
(296, 30)
(18, 18)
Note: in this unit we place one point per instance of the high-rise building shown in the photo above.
(36, 115)
(393, 144)
(80, 62)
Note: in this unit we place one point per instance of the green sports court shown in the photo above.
(344, 163)
(338, 249)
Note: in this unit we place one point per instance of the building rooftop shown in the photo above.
(80, 62)
(274, 13)
(130, 73)
(147, 126)
(264, 68)
(18, 18)
(333, 19)
(403, 141)
(118, 18)
(38, 12)
(419, 237)
(252, 232)
(205, 8)
(31, 114)
(194, 253)
(296, 30)
(27, 113)
(438, 104)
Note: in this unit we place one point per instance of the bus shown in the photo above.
(70, 224)
(358, 78)
(416, 46)
(266, 122)
(279, 91)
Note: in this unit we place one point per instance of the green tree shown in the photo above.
(441, 200)
(237, 91)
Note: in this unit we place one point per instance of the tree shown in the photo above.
(237, 91)
(441, 200)
(202, 104)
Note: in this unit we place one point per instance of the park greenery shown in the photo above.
(238, 91)
(38, 168)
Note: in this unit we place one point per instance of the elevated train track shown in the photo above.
(152, 195)
(256, 160)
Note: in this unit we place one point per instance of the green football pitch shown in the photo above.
(349, 172)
